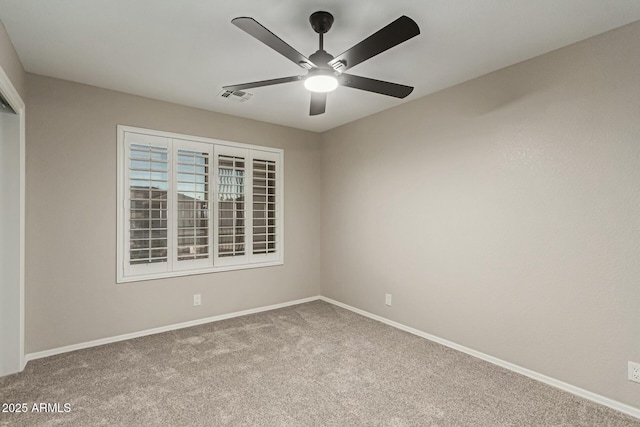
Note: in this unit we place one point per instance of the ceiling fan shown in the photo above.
(325, 72)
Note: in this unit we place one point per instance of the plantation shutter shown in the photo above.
(266, 197)
(192, 205)
(233, 233)
(192, 200)
(147, 210)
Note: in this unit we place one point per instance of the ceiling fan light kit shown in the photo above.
(325, 72)
(321, 82)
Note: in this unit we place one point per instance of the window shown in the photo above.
(193, 205)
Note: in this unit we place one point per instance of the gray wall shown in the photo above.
(71, 290)
(10, 312)
(10, 206)
(502, 214)
(10, 63)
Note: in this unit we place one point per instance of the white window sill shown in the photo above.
(164, 275)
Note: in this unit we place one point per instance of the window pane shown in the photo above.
(231, 206)
(159, 253)
(159, 166)
(264, 206)
(186, 241)
(139, 214)
(192, 187)
(148, 182)
(185, 232)
(140, 234)
(158, 243)
(159, 234)
(159, 195)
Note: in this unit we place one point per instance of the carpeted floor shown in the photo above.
(308, 365)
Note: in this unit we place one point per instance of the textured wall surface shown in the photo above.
(71, 290)
(10, 253)
(10, 187)
(502, 214)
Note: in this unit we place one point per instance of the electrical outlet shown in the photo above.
(634, 372)
(387, 299)
(197, 300)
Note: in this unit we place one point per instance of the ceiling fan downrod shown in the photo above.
(321, 23)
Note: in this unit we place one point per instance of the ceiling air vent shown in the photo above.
(235, 95)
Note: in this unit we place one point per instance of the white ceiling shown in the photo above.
(185, 51)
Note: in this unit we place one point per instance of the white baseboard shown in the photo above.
(613, 404)
(124, 337)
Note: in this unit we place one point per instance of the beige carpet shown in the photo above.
(309, 365)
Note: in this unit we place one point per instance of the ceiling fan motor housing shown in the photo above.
(321, 59)
(321, 21)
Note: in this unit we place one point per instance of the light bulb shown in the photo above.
(321, 83)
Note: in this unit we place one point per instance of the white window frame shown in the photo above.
(174, 268)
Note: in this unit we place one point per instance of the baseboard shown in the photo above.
(124, 337)
(613, 404)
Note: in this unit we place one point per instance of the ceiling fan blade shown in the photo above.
(373, 85)
(318, 103)
(254, 28)
(244, 86)
(400, 30)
